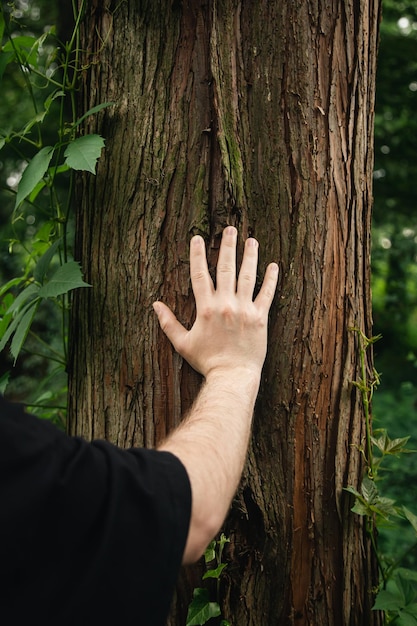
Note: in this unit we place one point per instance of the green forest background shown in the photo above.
(40, 381)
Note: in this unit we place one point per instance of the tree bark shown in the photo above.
(257, 114)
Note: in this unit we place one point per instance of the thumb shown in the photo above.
(170, 325)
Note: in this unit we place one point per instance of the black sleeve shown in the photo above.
(89, 534)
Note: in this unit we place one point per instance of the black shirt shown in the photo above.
(89, 533)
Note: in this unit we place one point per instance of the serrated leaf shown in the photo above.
(66, 278)
(33, 174)
(411, 518)
(353, 491)
(384, 507)
(380, 442)
(201, 609)
(395, 446)
(83, 152)
(360, 508)
(369, 490)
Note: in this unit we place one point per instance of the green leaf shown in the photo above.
(360, 508)
(5, 58)
(411, 518)
(22, 330)
(82, 153)
(406, 618)
(25, 47)
(215, 573)
(33, 174)
(2, 26)
(92, 111)
(66, 278)
(58, 93)
(52, 172)
(4, 381)
(353, 491)
(11, 283)
(389, 600)
(29, 291)
(406, 574)
(45, 261)
(201, 609)
(210, 553)
(15, 323)
(369, 490)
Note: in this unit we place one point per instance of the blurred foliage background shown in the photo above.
(394, 249)
(394, 256)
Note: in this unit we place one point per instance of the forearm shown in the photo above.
(212, 443)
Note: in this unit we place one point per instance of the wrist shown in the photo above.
(237, 378)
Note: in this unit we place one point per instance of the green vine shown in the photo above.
(396, 595)
(50, 71)
(202, 609)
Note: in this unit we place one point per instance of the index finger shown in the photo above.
(200, 277)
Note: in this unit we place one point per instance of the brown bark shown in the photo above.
(258, 114)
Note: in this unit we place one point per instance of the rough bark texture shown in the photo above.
(258, 114)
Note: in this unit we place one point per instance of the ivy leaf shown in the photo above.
(83, 152)
(201, 609)
(215, 573)
(33, 174)
(210, 553)
(66, 278)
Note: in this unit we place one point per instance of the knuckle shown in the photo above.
(225, 268)
(198, 275)
(246, 277)
(227, 311)
(207, 313)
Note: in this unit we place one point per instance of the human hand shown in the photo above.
(230, 330)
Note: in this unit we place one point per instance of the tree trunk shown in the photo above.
(257, 114)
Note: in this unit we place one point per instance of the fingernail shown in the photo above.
(197, 240)
(156, 307)
(252, 242)
(230, 230)
(274, 267)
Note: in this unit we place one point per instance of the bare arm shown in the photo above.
(227, 344)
